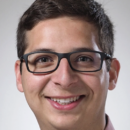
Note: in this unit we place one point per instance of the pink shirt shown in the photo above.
(109, 124)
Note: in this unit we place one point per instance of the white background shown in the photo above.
(14, 111)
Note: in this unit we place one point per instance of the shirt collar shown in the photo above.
(109, 125)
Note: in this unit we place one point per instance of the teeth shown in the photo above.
(65, 101)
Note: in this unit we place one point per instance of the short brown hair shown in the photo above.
(46, 9)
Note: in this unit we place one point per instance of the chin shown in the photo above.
(65, 123)
(65, 126)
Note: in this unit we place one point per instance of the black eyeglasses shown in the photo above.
(81, 61)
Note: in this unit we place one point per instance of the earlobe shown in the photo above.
(113, 73)
(18, 76)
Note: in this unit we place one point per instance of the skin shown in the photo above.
(63, 35)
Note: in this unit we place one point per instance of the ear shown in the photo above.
(113, 73)
(18, 76)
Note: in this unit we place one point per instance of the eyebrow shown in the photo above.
(43, 49)
(83, 49)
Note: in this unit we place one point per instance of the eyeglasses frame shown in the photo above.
(104, 56)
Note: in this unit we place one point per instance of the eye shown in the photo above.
(84, 59)
(43, 59)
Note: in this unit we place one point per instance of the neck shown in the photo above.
(98, 123)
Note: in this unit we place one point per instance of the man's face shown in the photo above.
(64, 35)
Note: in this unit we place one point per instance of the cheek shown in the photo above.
(34, 84)
(97, 82)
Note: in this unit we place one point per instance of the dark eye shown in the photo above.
(44, 59)
(84, 59)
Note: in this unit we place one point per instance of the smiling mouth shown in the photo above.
(67, 101)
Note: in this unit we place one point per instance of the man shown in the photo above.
(66, 64)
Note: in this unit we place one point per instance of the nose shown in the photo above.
(64, 76)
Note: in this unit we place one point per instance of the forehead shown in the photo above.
(62, 34)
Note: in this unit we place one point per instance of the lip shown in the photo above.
(70, 106)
